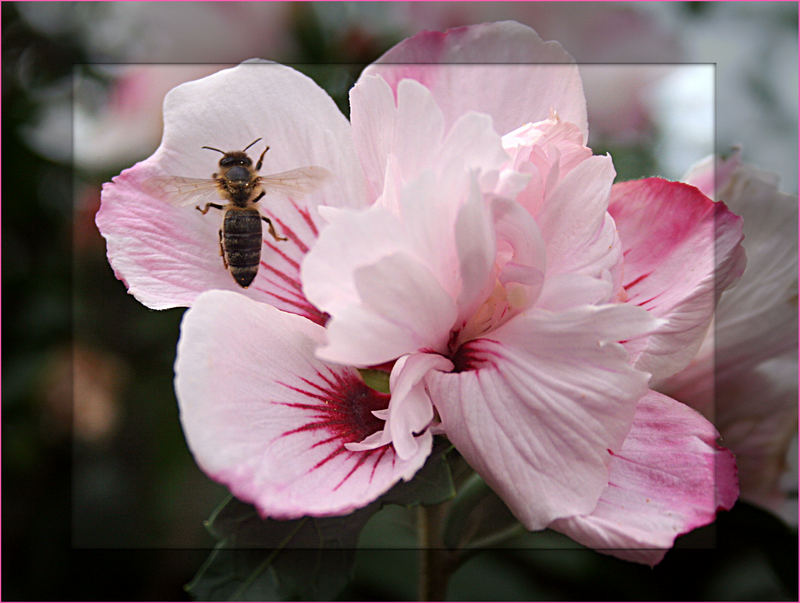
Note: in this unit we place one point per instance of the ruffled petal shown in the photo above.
(396, 277)
(263, 416)
(580, 236)
(503, 69)
(411, 131)
(681, 251)
(368, 255)
(410, 412)
(535, 406)
(167, 255)
(668, 478)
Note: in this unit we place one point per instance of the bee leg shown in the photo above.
(204, 211)
(272, 230)
(261, 159)
(222, 251)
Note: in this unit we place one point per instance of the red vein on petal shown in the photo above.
(301, 304)
(383, 450)
(636, 281)
(326, 441)
(292, 262)
(333, 380)
(288, 291)
(289, 233)
(306, 215)
(336, 452)
(295, 302)
(647, 301)
(361, 460)
(282, 275)
(340, 407)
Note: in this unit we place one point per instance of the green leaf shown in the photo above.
(431, 485)
(306, 559)
(375, 379)
(478, 518)
(264, 559)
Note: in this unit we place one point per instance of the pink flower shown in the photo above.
(520, 289)
(750, 354)
(468, 240)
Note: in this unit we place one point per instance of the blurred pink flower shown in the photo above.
(744, 376)
(128, 124)
(604, 38)
(100, 128)
(467, 238)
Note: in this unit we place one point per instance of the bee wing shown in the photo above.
(299, 181)
(180, 191)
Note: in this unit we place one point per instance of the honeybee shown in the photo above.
(239, 183)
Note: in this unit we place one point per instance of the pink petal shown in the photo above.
(167, 255)
(263, 416)
(757, 319)
(712, 174)
(503, 69)
(681, 251)
(668, 478)
(518, 235)
(579, 235)
(756, 413)
(395, 278)
(750, 354)
(546, 152)
(476, 248)
(535, 407)
(564, 291)
(403, 309)
(411, 131)
(383, 299)
(410, 411)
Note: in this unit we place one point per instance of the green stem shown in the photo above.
(436, 564)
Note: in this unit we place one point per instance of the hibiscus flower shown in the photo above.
(469, 243)
(751, 353)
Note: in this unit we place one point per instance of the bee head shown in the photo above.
(232, 158)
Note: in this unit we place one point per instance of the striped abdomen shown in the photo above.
(241, 243)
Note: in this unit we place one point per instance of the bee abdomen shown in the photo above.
(241, 243)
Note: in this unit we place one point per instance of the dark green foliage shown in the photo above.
(307, 559)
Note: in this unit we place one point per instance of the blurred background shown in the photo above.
(101, 498)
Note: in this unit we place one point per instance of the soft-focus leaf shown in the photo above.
(478, 518)
(431, 485)
(306, 559)
(257, 559)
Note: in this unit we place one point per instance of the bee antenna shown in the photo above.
(251, 144)
(213, 149)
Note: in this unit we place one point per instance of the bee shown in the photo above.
(237, 181)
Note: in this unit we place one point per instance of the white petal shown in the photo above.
(263, 416)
